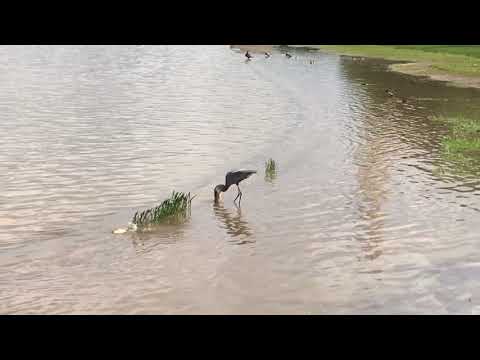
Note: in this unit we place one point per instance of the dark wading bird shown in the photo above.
(233, 178)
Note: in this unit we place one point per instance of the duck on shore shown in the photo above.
(267, 55)
(288, 55)
(248, 56)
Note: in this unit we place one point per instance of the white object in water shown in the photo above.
(131, 227)
(120, 231)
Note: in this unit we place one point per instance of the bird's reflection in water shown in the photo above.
(146, 241)
(234, 224)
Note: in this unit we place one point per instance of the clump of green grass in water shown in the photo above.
(175, 209)
(463, 136)
(461, 145)
(270, 169)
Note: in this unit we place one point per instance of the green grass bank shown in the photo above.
(458, 65)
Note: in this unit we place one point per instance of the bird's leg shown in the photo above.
(238, 194)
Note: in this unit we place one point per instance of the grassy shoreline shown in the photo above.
(254, 48)
(463, 137)
(461, 144)
(457, 65)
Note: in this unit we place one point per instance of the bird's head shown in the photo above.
(217, 191)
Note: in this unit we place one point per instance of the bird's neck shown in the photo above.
(219, 189)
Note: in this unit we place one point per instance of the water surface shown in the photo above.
(365, 215)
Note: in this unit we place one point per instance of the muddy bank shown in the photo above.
(425, 69)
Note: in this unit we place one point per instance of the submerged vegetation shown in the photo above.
(270, 169)
(175, 209)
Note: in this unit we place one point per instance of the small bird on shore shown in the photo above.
(288, 55)
(247, 54)
(389, 92)
(233, 178)
(267, 55)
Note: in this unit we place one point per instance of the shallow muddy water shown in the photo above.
(364, 215)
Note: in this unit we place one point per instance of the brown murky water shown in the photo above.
(364, 215)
